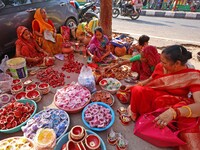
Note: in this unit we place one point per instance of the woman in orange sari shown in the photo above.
(27, 47)
(42, 24)
(169, 87)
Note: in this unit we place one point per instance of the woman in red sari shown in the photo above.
(169, 87)
(27, 47)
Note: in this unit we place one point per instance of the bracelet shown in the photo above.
(178, 113)
(189, 110)
(174, 113)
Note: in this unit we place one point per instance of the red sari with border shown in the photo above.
(168, 90)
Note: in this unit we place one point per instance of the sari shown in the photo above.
(145, 68)
(168, 90)
(38, 24)
(98, 48)
(28, 47)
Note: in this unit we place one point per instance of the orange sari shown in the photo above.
(40, 25)
(168, 90)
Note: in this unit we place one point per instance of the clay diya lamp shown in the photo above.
(77, 133)
(31, 87)
(71, 146)
(27, 82)
(122, 144)
(17, 82)
(92, 142)
(20, 95)
(103, 82)
(16, 89)
(44, 88)
(125, 119)
(34, 95)
(112, 137)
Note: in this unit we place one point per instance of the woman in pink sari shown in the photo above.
(99, 47)
(169, 87)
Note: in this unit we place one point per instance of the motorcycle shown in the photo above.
(87, 12)
(124, 9)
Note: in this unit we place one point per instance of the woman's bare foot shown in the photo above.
(133, 115)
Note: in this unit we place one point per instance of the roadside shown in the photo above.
(172, 14)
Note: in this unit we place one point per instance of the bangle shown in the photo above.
(174, 113)
(189, 110)
(178, 113)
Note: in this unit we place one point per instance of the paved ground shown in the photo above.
(135, 143)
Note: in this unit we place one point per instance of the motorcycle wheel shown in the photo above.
(115, 13)
(71, 23)
(134, 17)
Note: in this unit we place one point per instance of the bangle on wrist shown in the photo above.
(178, 113)
(189, 110)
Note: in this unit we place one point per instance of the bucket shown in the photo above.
(17, 67)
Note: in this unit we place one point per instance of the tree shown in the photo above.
(106, 17)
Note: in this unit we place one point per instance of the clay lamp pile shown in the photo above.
(14, 114)
(78, 140)
(70, 65)
(52, 77)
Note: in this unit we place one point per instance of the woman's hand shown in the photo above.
(163, 119)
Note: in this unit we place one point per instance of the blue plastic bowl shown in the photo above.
(17, 128)
(64, 139)
(99, 129)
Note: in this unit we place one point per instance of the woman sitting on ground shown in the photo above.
(42, 26)
(169, 87)
(99, 48)
(27, 47)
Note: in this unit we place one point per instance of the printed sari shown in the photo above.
(168, 90)
(28, 47)
(145, 68)
(40, 25)
(98, 48)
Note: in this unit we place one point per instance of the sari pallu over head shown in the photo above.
(145, 67)
(28, 46)
(43, 24)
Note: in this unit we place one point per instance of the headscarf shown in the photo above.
(23, 42)
(151, 54)
(43, 24)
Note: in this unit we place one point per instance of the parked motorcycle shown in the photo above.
(124, 9)
(87, 12)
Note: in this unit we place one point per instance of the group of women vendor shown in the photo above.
(165, 80)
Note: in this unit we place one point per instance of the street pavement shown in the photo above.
(172, 14)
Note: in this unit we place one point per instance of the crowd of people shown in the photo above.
(165, 80)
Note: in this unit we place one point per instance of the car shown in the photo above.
(14, 13)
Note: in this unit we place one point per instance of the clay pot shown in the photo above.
(20, 95)
(16, 89)
(123, 94)
(67, 49)
(77, 133)
(17, 82)
(34, 95)
(31, 87)
(44, 88)
(92, 142)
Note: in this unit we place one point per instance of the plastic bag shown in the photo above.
(5, 82)
(3, 65)
(86, 79)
